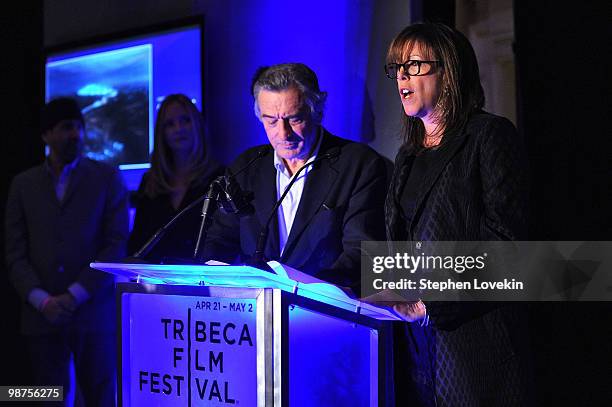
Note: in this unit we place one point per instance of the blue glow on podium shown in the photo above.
(181, 348)
(330, 361)
(219, 334)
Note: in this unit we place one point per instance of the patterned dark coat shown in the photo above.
(472, 353)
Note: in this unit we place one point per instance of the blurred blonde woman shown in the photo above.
(181, 170)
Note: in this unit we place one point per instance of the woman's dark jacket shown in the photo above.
(476, 190)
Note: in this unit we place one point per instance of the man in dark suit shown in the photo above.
(335, 203)
(61, 216)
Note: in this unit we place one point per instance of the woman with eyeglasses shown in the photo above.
(181, 170)
(460, 175)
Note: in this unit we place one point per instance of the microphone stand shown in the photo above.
(212, 195)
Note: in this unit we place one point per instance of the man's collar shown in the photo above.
(67, 169)
(279, 164)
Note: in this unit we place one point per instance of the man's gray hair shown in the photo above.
(277, 78)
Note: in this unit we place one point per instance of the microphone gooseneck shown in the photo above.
(262, 151)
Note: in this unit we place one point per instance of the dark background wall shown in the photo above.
(562, 107)
(562, 114)
(22, 91)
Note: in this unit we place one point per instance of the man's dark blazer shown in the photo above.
(49, 244)
(342, 204)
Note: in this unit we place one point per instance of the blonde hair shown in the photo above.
(158, 177)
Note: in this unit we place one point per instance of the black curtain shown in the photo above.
(22, 90)
(563, 90)
(439, 11)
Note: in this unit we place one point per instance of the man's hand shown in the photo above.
(67, 301)
(58, 309)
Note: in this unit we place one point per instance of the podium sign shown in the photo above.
(246, 337)
(189, 350)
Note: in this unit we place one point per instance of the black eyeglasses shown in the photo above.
(411, 68)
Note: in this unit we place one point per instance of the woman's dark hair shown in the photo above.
(461, 93)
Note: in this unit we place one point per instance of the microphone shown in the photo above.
(258, 257)
(232, 199)
(215, 185)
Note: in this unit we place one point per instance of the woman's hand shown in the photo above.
(411, 311)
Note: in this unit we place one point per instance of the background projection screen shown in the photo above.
(120, 82)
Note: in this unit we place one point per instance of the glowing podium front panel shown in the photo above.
(246, 337)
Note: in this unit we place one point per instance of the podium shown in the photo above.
(219, 335)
